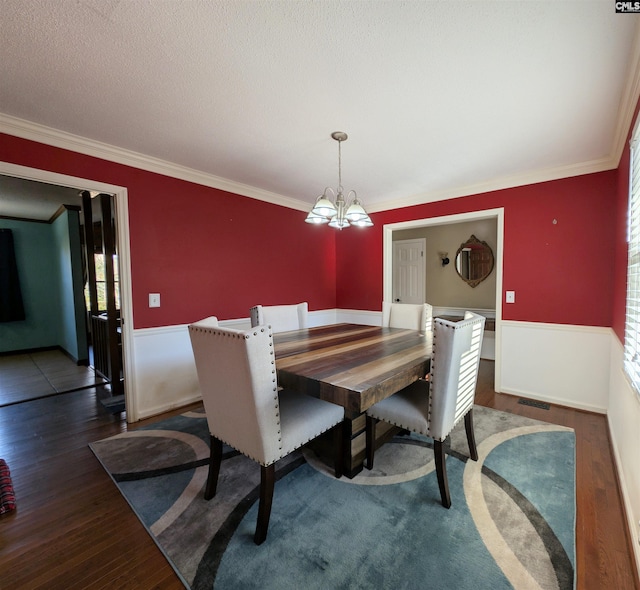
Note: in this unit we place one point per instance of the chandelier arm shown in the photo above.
(329, 189)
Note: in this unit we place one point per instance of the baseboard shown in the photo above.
(556, 401)
(76, 360)
(151, 412)
(623, 417)
(31, 350)
(632, 531)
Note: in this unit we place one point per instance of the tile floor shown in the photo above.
(28, 376)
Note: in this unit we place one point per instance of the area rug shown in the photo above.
(511, 523)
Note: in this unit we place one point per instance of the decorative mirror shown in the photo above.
(474, 261)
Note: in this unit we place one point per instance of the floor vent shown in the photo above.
(535, 404)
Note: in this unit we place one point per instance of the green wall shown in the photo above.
(72, 336)
(50, 270)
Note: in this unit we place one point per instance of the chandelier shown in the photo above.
(339, 212)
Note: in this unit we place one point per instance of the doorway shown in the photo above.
(388, 260)
(118, 198)
(67, 265)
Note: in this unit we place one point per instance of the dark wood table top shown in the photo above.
(351, 365)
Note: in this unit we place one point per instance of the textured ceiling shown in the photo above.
(439, 99)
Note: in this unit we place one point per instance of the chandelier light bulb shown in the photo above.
(316, 219)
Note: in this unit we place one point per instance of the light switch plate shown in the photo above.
(510, 296)
(154, 299)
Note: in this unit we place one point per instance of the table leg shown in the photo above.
(354, 443)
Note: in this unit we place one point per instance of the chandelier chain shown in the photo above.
(340, 166)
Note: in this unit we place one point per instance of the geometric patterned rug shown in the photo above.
(511, 523)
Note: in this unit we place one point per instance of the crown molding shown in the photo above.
(535, 177)
(68, 141)
(629, 99)
(54, 137)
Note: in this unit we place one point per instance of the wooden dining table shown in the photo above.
(354, 366)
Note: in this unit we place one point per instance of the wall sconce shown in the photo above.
(444, 257)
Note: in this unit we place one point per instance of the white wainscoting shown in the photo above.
(561, 364)
(358, 316)
(165, 373)
(459, 311)
(567, 365)
(624, 426)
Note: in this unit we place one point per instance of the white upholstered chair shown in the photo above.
(432, 408)
(210, 322)
(246, 410)
(410, 316)
(407, 315)
(281, 318)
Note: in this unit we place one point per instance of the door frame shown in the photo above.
(387, 263)
(124, 260)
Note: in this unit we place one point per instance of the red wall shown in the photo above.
(211, 252)
(206, 251)
(562, 273)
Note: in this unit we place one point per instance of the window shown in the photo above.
(101, 283)
(632, 322)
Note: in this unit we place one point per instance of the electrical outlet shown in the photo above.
(154, 299)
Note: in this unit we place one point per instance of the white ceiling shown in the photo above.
(439, 99)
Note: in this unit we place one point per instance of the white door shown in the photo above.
(408, 271)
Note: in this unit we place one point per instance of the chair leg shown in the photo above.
(214, 467)
(370, 441)
(441, 471)
(471, 439)
(267, 482)
(338, 446)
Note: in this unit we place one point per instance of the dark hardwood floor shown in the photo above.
(73, 529)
